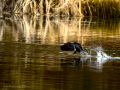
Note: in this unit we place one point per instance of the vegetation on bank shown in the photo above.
(99, 8)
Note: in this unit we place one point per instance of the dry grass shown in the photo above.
(99, 8)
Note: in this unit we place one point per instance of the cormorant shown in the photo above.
(73, 47)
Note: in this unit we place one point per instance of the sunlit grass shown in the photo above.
(99, 8)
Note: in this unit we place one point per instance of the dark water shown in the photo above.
(31, 59)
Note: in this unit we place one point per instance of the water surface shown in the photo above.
(30, 55)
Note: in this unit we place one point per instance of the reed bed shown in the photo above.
(99, 8)
(105, 8)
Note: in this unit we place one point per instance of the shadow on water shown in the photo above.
(30, 55)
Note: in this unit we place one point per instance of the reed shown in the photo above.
(105, 8)
(99, 8)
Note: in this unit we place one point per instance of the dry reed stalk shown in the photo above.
(100, 8)
(69, 7)
(25, 6)
(41, 7)
(48, 6)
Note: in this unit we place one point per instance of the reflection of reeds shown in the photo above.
(55, 30)
(1, 30)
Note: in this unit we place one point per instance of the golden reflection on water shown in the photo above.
(55, 30)
(30, 55)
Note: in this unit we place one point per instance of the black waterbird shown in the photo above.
(73, 47)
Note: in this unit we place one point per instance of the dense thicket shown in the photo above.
(100, 8)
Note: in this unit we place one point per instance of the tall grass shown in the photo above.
(105, 8)
(99, 8)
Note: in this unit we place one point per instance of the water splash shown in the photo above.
(101, 58)
(103, 55)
